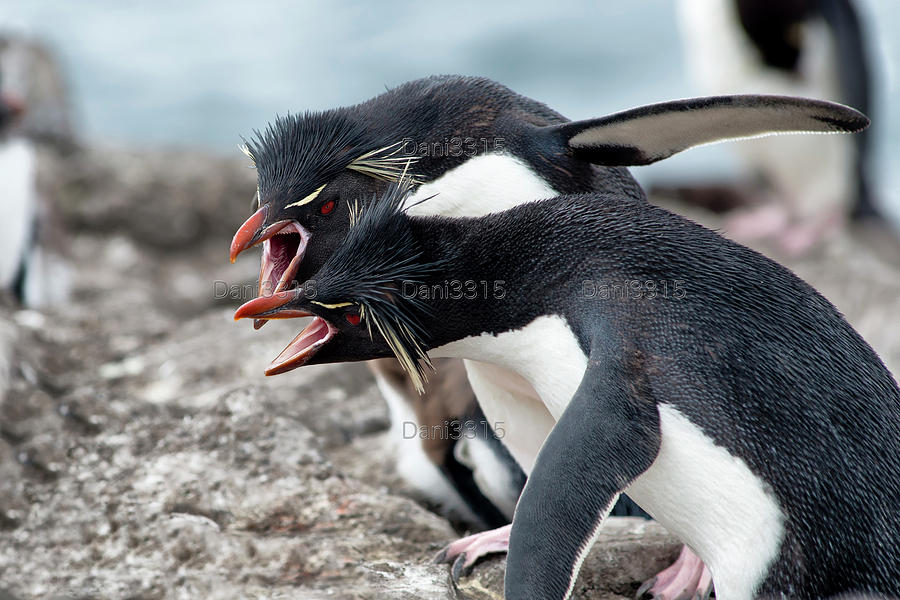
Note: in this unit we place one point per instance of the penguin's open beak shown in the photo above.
(250, 233)
(272, 307)
(284, 243)
(302, 347)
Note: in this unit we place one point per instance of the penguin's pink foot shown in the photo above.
(761, 222)
(464, 552)
(686, 579)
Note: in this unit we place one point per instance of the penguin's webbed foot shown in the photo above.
(686, 579)
(465, 552)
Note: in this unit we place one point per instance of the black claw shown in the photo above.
(645, 587)
(459, 568)
(441, 557)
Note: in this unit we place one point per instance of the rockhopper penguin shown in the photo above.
(481, 140)
(813, 48)
(733, 115)
(721, 392)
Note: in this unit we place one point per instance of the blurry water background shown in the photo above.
(204, 72)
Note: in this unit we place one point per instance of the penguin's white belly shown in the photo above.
(493, 476)
(547, 355)
(711, 500)
(412, 463)
(813, 173)
(514, 410)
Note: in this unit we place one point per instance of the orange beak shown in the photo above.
(269, 307)
(250, 233)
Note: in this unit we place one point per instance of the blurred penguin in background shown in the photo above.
(811, 48)
(33, 111)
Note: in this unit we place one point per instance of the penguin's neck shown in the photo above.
(482, 274)
(460, 192)
(497, 300)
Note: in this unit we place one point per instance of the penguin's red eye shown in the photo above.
(327, 207)
(353, 318)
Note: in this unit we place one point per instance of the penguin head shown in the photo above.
(11, 108)
(308, 167)
(356, 298)
(311, 166)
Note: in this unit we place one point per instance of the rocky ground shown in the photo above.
(144, 455)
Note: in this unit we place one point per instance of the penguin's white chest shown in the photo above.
(524, 379)
(481, 185)
(545, 352)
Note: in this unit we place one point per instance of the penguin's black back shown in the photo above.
(492, 118)
(443, 120)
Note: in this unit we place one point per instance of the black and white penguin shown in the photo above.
(721, 392)
(812, 48)
(445, 448)
(469, 138)
(30, 269)
(640, 136)
(17, 173)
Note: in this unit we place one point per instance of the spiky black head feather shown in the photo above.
(302, 151)
(298, 154)
(377, 258)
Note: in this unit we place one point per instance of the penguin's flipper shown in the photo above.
(647, 134)
(608, 435)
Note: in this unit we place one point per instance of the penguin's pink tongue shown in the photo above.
(301, 349)
(284, 244)
(281, 258)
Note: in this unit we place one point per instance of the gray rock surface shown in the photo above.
(144, 455)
